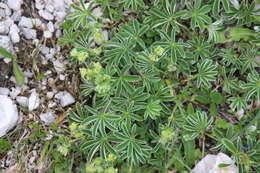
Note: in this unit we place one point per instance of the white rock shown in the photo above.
(46, 15)
(26, 22)
(58, 33)
(65, 98)
(15, 92)
(58, 4)
(59, 67)
(22, 101)
(28, 74)
(210, 164)
(34, 101)
(49, 56)
(44, 50)
(9, 115)
(50, 7)
(52, 104)
(16, 16)
(48, 117)
(47, 34)
(50, 26)
(240, 113)
(39, 4)
(29, 33)
(60, 15)
(6, 43)
(49, 95)
(6, 10)
(4, 91)
(62, 77)
(14, 4)
(4, 25)
(14, 33)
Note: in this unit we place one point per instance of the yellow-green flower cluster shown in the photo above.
(95, 74)
(166, 135)
(92, 72)
(103, 83)
(157, 52)
(98, 35)
(80, 55)
(100, 166)
(111, 157)
(76, 130)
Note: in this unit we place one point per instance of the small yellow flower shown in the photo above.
(83, 72)
(97, 67)
(90, 169)
(159, 51)
(153, 57)
(73, 126)
(166, 133)
(98, 161)
(98, 35)
(111, 170)
(74, 52)
(81, 56)
(111, 157)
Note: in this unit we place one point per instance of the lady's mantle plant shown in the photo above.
(166, 87)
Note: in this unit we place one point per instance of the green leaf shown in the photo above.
(19, 75)
(223, 165)
(213, 109)
(207, 72)
(153, 109)
(6, 54)
(190, 109)
(229, 145)
(203, 99)
(216, 97)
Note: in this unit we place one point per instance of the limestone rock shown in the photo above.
(210, 164)
(9, 115)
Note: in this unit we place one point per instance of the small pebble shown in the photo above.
(34, 101)
(22, 101)
(65, 98)
(48, 117)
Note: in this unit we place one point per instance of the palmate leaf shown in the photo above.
(207, 72)
(153, 109)
(249, 60)
(134, 31)
(99, 143)
(197, 124)
(252, 86)
(173, 47)
(167, 17)
(237, 103)
(81, 14)
(132, 4)
(124, 81)
(135, 151)
(200, 48)
(120, 51)
(198, 16)
(217, 6)
(100, 121)
(127, 115)
(242, 13)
